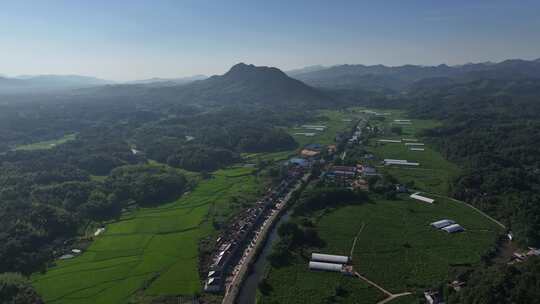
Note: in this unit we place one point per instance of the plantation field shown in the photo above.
(49, 144)
(296, 284)
(397, 249)
(153, 251)
(332, 119)
(434, 173)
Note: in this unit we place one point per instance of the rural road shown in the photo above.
(234, 288)
(390, 296)
(472, 207)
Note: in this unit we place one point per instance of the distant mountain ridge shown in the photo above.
(157, 81)
(41, 83)
(402, 77)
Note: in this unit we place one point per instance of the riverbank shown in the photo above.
(251, 253)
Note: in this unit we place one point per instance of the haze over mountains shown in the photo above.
(402, 77)
(314, 85)
(40, 83)
(242, 84)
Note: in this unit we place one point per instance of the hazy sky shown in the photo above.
(125, 40)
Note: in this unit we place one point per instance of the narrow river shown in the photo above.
(248, 292)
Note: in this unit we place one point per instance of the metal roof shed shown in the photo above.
(390, 160)
(453, 228)
(442, 223)
(325, 266)
(416, 196)
(330, 258)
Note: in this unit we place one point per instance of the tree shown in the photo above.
(15, 289)
(397, 130)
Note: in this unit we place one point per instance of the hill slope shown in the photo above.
(253, 84)
(242, 85)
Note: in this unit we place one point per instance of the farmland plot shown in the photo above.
(151, 250)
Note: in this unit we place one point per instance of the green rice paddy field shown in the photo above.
(397, 248)
(152, 250)
(49, 144)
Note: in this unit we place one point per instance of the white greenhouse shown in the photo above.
(330, 258)
(325, 266)
(442, 223)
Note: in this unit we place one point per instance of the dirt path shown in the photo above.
(474, 208)
(393, 297)
(356, 238)
(390, 296)
(361, 277)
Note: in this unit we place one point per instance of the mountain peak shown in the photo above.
(249, 70)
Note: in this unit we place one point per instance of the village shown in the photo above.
(238, 244)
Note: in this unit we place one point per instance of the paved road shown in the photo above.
(234, 288)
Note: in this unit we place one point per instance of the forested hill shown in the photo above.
(248, 83)
(395, 79)
(242, 85)
(491, 128)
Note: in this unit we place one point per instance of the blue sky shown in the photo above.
(126, 40)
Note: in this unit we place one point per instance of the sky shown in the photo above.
(130, 39)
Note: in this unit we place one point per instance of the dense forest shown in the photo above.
(490, 128)
(502, 284)
(124, 154)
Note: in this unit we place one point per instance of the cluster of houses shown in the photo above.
(433, 297)
(241, 234)
(311, 151)
(448, 226)
(357, 134)
(332, 263)
(522, 256)
(353, 177)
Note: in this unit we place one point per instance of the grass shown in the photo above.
(49, 144)
(152, 249)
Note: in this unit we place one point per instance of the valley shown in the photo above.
(396, 247)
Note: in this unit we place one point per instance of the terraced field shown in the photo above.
(153, 251)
